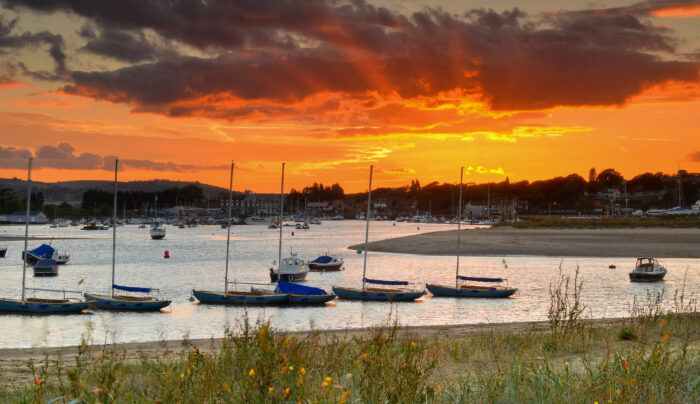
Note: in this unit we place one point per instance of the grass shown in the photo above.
(551, 222)
(575, 360)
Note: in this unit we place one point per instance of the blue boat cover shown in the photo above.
(43, 251)
(131, 289)
(295, 288)
(46, 263)
(381, 282)
(324, 259)
(469, 278)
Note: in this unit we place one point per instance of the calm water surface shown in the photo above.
(197, 261)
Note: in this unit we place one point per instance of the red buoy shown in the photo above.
(612, 267)
(167, 254)
(292, 233)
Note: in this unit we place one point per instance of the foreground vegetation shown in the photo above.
(650, 357)
(548, 222)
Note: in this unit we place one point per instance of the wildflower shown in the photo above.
(324, 384)
(284, 369)
(223, 340)
(626, 365)
(437, 387)
(663, 321)
(382, 336)
(346, 393)
(37, 382)
(284, 358)
(189, 372)
(165, 373)
(227, 387)
(286, 391)
(291, 368)
(251, 373)
(195, 352)
(323, 363)
(191, 364)
(364, 355)
(303, 372)
(328, 379)
(83, 345)
(595, 402)
(666, 337)
(301, 380)
(271, 389)
(182, 375)
(413, 344)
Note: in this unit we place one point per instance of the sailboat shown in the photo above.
(297, 294)
(124, 302)
(39, 305)
(292, 268)
(461, 289)
(400, 293)
(236, 297)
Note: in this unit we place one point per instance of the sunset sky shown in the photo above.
(178, 89)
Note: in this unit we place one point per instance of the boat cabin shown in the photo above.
(647, 264)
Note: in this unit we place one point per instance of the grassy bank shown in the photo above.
(550, 222)
(650, 357)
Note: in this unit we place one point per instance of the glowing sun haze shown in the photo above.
(177, 90)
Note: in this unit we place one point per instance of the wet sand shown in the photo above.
(655, 242)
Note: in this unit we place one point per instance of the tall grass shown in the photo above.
(574, 361)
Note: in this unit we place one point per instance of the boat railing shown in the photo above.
(64, 291)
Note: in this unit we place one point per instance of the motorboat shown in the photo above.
(291, 269)
(61, 258)
(46, 267)
(2, 252)
(44, 251)
(315, 220)
(647, 269)
(157, 231)
(326, 263)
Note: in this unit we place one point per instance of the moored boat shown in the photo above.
(2, 252)
(157, 230)
(34, 305)
(46, 267)
(291, 269)
(647, 269)
(326, 263)
(376, 293)
(302, 294)
(468, 290)
(114, 301)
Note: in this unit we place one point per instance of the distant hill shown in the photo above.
(72, 191)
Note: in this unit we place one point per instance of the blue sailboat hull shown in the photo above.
(311, 299)
(104, 302)
(376, 294)
(451, 291)
(240, 298)
(42, 306)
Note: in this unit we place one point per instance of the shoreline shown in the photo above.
(13, 361)
(506, 241)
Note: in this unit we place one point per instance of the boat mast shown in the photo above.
(279, 262)
(459, 224)
(369, 199)
(114, 227)
(228, 227)
(26, 225)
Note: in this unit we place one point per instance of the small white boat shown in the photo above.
(291, 269)
(60, 258)
(157, 231)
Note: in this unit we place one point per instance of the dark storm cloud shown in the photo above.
(63, 157)
(120, 45)
(285, 51)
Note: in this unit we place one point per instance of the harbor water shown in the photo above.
(197, 258)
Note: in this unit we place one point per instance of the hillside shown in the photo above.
(73, 190)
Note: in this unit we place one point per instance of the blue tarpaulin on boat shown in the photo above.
(43, 251)
(46, 263)
(324, 259)
(131, 289)
(295, 288)
(381, 282)
(469, 278)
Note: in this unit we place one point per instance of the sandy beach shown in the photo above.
(655, 242)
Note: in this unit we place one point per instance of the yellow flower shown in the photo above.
(324, 384)
(303, 371)
(328, 379)
(413, 343)
(286, 391)
(345, 394)
(301, 380)
(182, 375)
(291, 368)
(189, 372)
(251, 373)
(364, 355)
(271, 389)
(165, 373)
